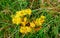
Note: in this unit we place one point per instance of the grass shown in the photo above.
(51, 9)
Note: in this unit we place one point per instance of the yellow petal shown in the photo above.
(25, 19)
(43, 17)
(29, 29)
(16, 20)
(32, 24)
(19, 13)
(28, 11)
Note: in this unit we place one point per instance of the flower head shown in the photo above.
(25, 19)
(26, 25)
(23, 12)
(16, 20)
(20, 13)
(25, 29)
(42, 17)
(32, 24)
(28, 11)
(24, 22)
(39, 21)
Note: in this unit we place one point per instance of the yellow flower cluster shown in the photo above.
(23, 12)
(39, 21)
(25, 29)
(26, 25)
(17, 18)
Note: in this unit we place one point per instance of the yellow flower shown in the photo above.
(16, 20)
(29, 29)
(24, 22)
(25, 29)
(41, 20)
(38, 22)
(28, 11)
(25, 19)
(19, 13)
(32, 24)
(42, 17)
(23, 11)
